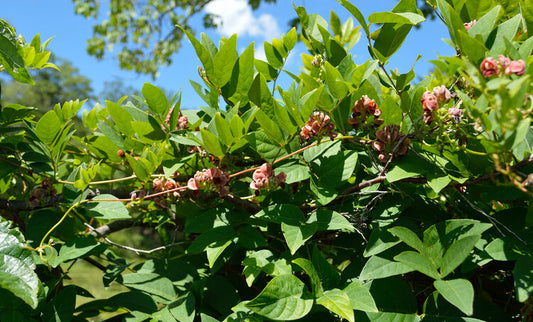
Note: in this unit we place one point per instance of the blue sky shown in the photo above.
(57, 19)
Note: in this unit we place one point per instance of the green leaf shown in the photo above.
(307, 103)
(485, 24)
(140, 169)
(452, 18)
(213, 253)
(356, 13)
(270, 127)
(523, 278)
(458, 292)
(335, 82)
(457, 253)
(363, 72)
(438, 181)
(132, 301)
(121, 118)
(261, 95)
(273, 56)
(212, 144)
(379, 267)
(505, 31)
(360, 297)
(223, 129)
(389, 39)
(215, 237)
(245, 76)
(391, 317)
(149, 132)
(10, 56)
(48, 127)
(407, 236)
(380, 240)
(296, 233)
(224, 61)
(202, 52)
(338, 302)
(184, 308)
(151, 283)
(107, 210)
(16, 266)
(471, 47)
(310, 270)
(329, 220)
(290, 39)
(324, 194)
(79, 248)
(155, 98)
(283, 298)
(527, 12)
(408, 166)
(503, 249)
(264, 146)
(408, 18)
(61, 307)
(418, 262)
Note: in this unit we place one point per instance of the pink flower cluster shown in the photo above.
(264, 178)
(182, 120)
(490, 66)
(431, 101)
(44, 193)
(362, 109)
(160, 185)
(455, 113)
(319, 124)
(212, 179)
(386, 140)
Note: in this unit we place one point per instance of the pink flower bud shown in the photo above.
(429, 101)
(318, 124)
(516, 67)
(504, 61)
(170, 184)
(192, 184)
(442, 93)
(264, 178)
(453, 111)
(386, 140)
(157, 185)
(489, 67)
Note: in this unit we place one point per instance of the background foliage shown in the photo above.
(356, 193)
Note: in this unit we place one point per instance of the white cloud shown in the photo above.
(235, 16)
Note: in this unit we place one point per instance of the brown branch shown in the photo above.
(132, 249)
(94, 263)
(111, 227)
(244, 204)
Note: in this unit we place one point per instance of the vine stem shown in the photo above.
(110, 180)
(135, 250)
(296, 152)
(59, 222)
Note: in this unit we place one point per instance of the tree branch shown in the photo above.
(132, 249)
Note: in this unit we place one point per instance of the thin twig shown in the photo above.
(494, 221)
(132, 249)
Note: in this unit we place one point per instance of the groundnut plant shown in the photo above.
(355, 193)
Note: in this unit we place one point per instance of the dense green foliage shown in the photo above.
(356, 193)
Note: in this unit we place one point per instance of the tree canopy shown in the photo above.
(144, 34)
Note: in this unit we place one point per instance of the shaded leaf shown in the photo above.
(283, 298)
